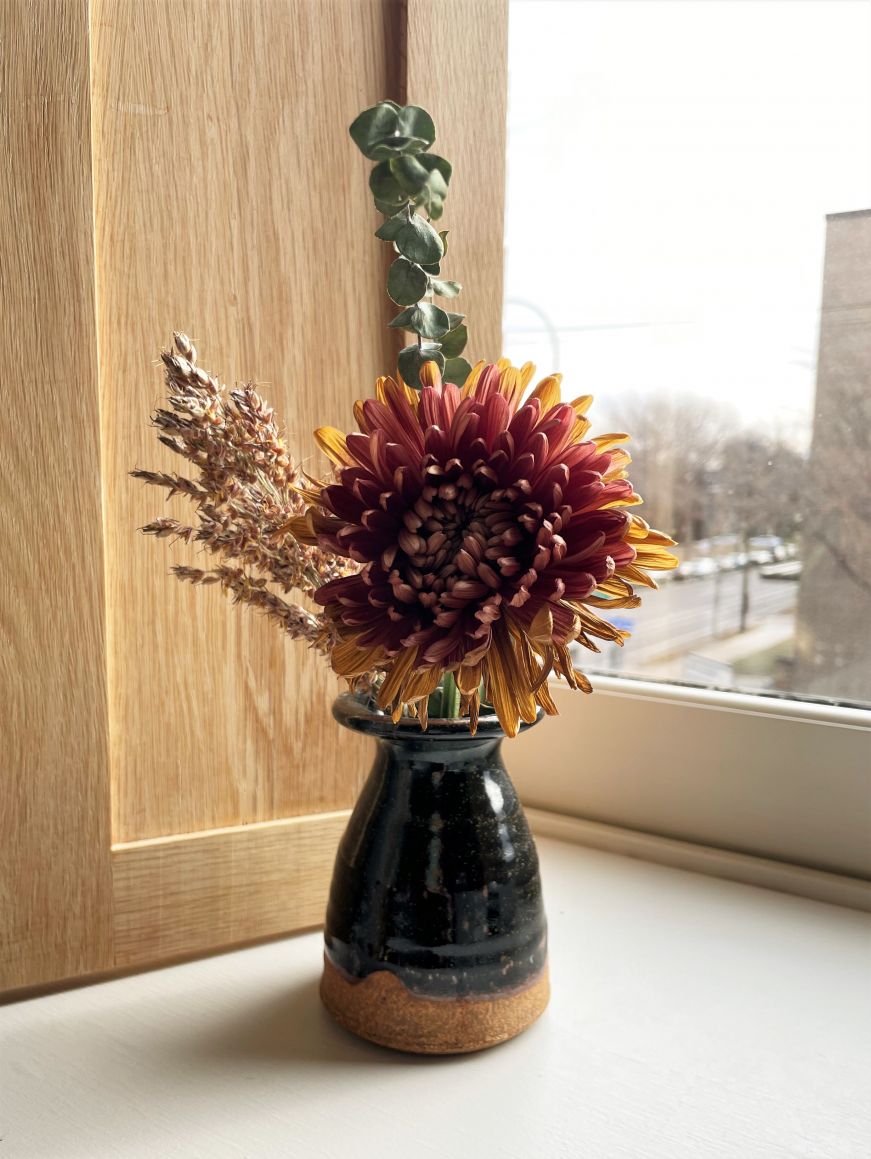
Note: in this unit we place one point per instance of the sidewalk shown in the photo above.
(777, 629)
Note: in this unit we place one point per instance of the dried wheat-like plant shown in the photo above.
(244, 495)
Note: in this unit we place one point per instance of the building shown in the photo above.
(833, 634)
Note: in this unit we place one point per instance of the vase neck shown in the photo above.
(461, 754)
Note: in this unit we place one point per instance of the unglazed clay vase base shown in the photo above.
(382, 1010)
(435, 934)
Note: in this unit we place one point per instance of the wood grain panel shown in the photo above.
(231, 203)
(54, 803)
(457, 68)
(181, 895)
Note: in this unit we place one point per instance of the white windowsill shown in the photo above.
(691, 1017)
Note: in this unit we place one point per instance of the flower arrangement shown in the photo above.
(471, 530)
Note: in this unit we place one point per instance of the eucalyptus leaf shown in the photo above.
(424, 178)
(412, 358)
(432, 268)
(403, 320)
(429, 321)
(395, 146)
(385, 187)
(413, 121)
(406, 282)
(444, 289)
(390, 229)
(373, 126)
(438, 165)
(443, 234)
(455, 319)
(385, 207)
(418, 241)
(409, 174)
(433, 193)
(433, 205)
(454, 342)
(456, 370)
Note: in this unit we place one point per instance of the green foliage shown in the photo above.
(386, 189)
(444, 289)
(406, 282)
(429, 321)
(424, 319)
(456, 337)
(386, 131)
(412, 358)
(403, 319)
(456, 370)
(418, 241)
(406, 178)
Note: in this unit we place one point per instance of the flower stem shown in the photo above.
(450, 697)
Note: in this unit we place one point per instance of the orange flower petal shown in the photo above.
(548, 392)
(332, 443)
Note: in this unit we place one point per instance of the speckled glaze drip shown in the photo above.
(436, 878)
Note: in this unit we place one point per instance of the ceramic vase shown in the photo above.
(436, 939)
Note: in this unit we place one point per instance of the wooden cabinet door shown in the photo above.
(172, 779)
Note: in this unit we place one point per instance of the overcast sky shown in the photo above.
(671, 163)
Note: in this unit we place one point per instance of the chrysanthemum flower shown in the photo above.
(488, 530)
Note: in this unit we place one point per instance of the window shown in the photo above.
(688, 238)
(680, 179)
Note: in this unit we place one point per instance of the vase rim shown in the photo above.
(361, 714)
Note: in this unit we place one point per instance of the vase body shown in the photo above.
(435, 930)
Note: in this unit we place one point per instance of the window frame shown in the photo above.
(784, 780)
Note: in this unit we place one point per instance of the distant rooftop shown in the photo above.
(848, 213)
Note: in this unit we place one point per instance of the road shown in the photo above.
(682, 615)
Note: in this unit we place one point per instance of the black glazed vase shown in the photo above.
(436, 940)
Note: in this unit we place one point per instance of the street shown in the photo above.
(683, 615)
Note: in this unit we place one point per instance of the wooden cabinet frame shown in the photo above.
(172, 780)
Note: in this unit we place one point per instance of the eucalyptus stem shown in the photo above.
(407, 177)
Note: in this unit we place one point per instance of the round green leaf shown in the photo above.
(406, 282)
(412, 358)
(409, 174)
(413, 121)
(456, 370)
(385, 187)
(432, 196)
(429, 321)
(418, 241)
(437, 164)
(444, 289)
(454, 342)
(403, 320)
(395, 146)
(390, 229)
(385, 207)
(424, 178)
(374, 125)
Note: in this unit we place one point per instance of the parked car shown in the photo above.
(765, 548)
(789, 569)
(697, 568)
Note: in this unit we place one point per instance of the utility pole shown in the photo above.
(745, 584)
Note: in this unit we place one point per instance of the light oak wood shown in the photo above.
(203, 179)
(229, 202)
(183, 895)
(54, 782)
(457, 67)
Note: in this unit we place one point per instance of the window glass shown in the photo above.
(688, 238)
